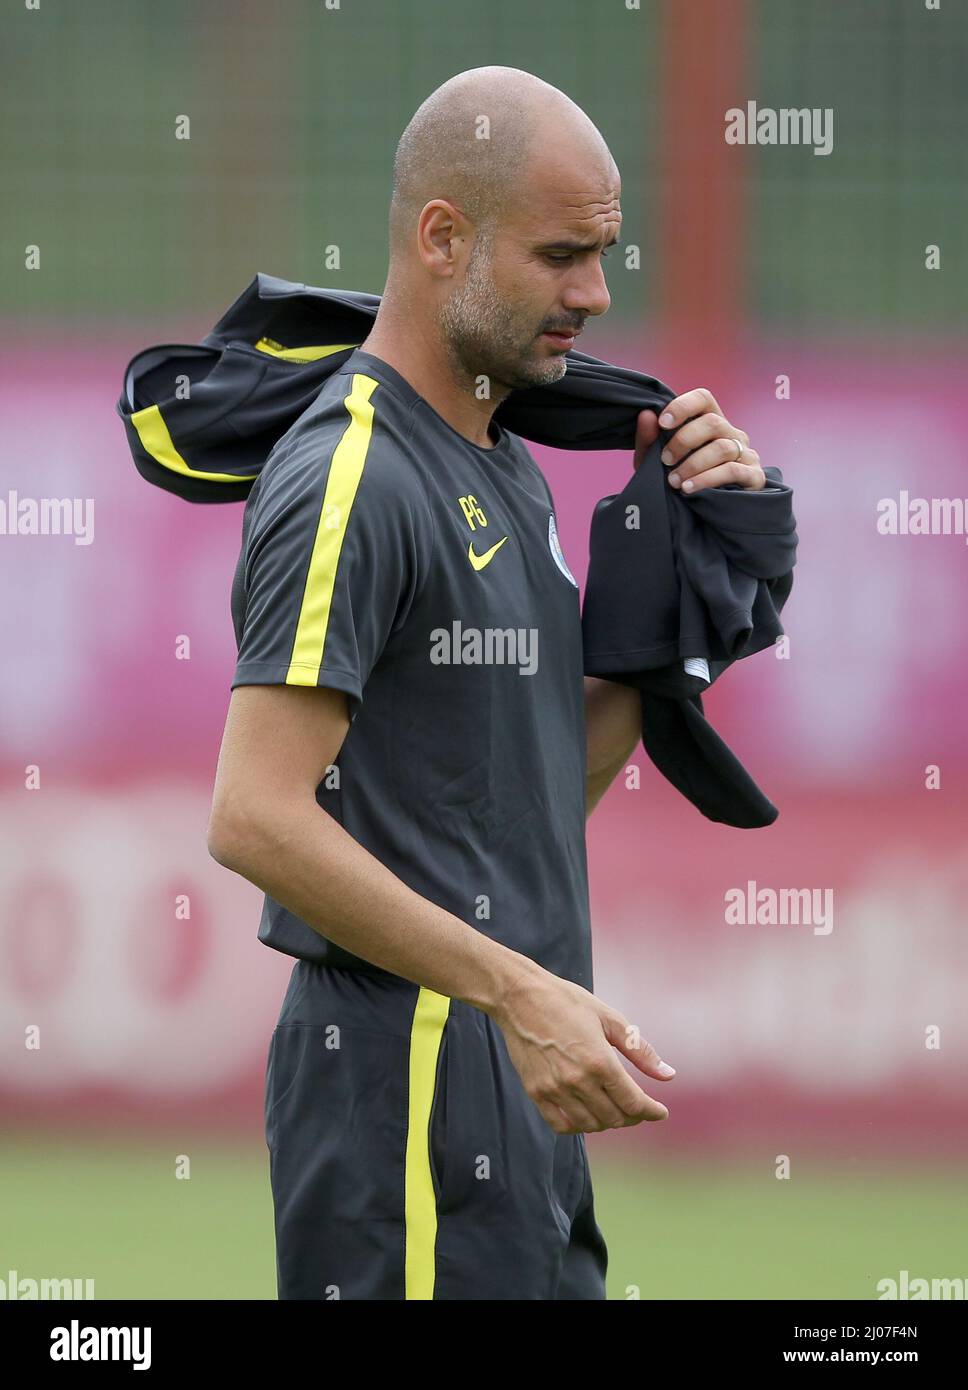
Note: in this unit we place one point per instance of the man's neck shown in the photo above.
(423, 362)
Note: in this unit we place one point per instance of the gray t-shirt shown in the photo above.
(385, 555)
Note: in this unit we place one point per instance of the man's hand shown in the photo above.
(703, 450)
(562, 1040)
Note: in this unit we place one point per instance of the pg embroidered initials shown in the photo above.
(472, 512)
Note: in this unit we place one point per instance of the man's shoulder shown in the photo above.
(332, 462)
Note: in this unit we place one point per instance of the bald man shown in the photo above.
(411, 749)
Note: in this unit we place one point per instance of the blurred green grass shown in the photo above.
(112, 1210)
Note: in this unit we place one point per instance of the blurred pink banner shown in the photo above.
(119, 652)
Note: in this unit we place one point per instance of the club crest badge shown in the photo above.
(557, 554)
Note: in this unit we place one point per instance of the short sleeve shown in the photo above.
(333, 556)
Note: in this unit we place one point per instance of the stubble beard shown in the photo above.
(485, 338)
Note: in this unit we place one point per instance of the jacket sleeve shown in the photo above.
(678, 588)
(755, 531)
(736, 550)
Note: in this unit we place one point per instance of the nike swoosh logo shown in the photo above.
(479, 561)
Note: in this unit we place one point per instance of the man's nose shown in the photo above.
(588, 292)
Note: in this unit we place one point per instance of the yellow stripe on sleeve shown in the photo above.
(345, 471)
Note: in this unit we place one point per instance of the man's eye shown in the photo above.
(564, 256)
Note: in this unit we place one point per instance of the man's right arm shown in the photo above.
(267, 826)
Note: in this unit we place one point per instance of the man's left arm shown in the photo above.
(613, 725)
(705, 450)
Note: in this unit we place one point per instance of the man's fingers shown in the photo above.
(605, 1097)
(582, 1101)
(748, 473)
(626, 1037)
(623, 1089)
(616, 1105)
(569, 1118)
(553, 1116)
(702, 451)
(632, 1101)
(683, 408)
(595, 1097)
(720, 450)
(581, 1119)
(700, 431)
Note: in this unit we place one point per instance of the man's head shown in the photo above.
(504, 198)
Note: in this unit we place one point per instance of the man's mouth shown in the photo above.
(564, 338)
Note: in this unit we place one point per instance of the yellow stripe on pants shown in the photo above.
(429, 1017)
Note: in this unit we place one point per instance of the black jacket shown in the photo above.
(669, 603)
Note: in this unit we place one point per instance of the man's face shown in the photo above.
(541, 272)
